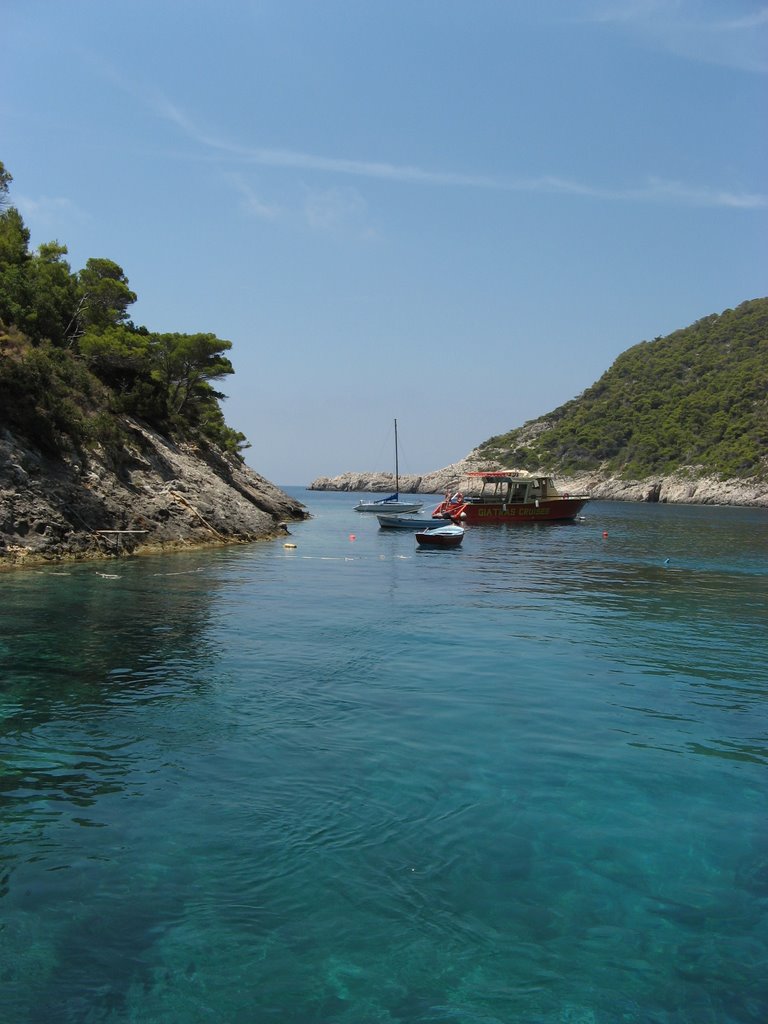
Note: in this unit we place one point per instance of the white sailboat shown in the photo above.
(393, 504)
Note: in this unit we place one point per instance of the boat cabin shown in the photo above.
(507, 487)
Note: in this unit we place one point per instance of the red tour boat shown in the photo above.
(509, 496)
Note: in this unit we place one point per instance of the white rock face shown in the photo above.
(680, 488)
(676, 489)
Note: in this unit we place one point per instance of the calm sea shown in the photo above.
(523, 782)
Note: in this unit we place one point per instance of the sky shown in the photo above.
(453, 213)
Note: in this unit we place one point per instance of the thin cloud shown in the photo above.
(625, 11)
(660, 190)
(265, 157)
(330, 207)
(252, 203)
(46, 211)
(692, 195)
(753, 20)
(693, 29)
(338, 209)
(656, 190)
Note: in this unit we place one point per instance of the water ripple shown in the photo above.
(353, 784)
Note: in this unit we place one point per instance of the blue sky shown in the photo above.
(453, 213)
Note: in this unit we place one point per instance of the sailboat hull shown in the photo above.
(384, 507)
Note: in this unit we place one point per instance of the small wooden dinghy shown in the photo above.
(449, 536)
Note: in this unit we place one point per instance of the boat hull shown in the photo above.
(441, 537)
(546, 510)
(408, 522)
(389, 507)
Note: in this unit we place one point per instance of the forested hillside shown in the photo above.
(696, 399)
(71, 359)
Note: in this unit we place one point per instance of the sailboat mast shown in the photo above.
(397, 467)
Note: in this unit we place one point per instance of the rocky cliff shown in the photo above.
(157, 496)
(683, 487)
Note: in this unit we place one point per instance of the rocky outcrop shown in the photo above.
(436, 482)
(687, 487)
(679, 488)
(156, 496)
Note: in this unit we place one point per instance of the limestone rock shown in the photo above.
(684, 487)
(169, 496)
(436, 482)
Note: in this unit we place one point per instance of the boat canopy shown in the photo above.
(503, 475)
(509, 485)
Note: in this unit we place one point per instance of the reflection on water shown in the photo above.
(523, 781)
(85, 624)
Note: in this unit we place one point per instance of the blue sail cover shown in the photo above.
(392, 497)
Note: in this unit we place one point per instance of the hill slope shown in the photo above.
(695, 400)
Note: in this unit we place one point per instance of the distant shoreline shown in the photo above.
(679, 488)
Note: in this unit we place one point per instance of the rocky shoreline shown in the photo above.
(161, 497)
(168, 497)
(680, 488)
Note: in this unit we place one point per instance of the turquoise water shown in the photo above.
(523, 781)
